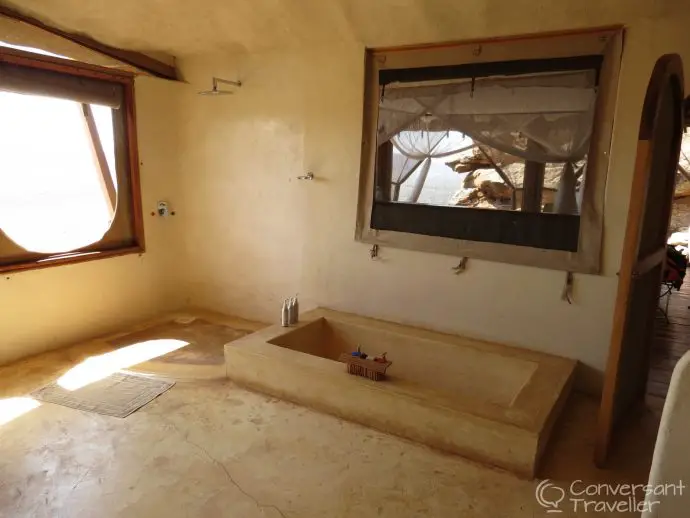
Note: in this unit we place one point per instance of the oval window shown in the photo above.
(53, 195)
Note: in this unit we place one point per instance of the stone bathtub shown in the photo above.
(487, 402)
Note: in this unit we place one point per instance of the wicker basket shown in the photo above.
(364, 367)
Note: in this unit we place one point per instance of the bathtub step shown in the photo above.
(488, 402)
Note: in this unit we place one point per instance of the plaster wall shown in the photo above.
(48, 308)
(247, 233)
(254, 234)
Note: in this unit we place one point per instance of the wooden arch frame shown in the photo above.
(667, 70)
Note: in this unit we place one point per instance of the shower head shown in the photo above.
(216, 91)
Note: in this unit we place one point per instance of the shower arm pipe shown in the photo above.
(217, 80)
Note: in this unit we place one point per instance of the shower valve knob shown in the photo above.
(163, 209)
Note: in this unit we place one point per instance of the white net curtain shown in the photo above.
(539, 117)
(419, 146)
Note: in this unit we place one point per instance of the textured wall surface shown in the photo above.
(182, 28)
(257, 234)
(251, 234)
(44, 309)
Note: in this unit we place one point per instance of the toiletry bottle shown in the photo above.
(296, 309)
(285, 314)
(291, 311)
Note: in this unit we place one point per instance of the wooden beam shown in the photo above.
(515, 38)
(136, 59)
(532, 186)
(64, 66)
(133, 157)
(42, 261)
(106, 178)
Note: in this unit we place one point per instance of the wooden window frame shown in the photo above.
(130, 235)
(606, 42)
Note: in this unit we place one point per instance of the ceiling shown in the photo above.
(13, 32)
(184, 27)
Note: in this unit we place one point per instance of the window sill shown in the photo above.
(68, 258)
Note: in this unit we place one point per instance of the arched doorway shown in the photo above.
(644, 248)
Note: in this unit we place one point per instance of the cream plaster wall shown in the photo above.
(256, 235)
(44, 309)
(248, 234)
(181, 27)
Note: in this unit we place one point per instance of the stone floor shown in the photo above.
(210, 449)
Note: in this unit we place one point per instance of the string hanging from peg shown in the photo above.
(567, 293)
(461, 267)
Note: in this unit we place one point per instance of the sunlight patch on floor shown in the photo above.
(98, 367)
(13, 407)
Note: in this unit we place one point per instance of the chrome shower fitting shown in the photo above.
(216, 91)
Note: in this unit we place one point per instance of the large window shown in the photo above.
(495, 150)
(68, 166)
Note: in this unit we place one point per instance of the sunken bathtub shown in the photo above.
(487, 402)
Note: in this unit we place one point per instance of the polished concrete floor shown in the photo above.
(210, 449)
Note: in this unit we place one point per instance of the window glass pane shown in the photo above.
(51, 190)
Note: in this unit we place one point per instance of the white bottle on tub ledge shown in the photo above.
(285, 314)
(292, 308)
